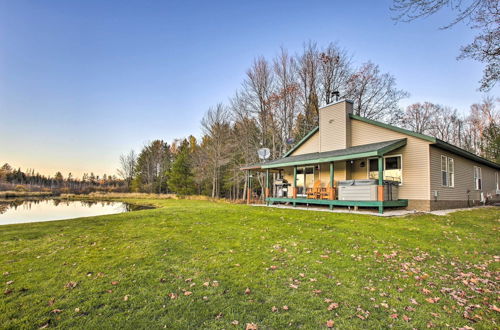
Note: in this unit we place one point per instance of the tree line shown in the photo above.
(277, 104)
(30, 180)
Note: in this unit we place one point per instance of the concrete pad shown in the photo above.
(387, 212)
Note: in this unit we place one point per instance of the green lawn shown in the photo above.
(188, 264)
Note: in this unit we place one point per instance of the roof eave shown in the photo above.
(464, 153)
(304, 139)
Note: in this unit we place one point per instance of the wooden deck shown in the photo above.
(333, 203)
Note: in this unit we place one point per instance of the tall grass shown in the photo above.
(12, 194)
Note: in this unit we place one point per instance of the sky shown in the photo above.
(82, 82)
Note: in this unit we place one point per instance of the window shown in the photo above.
(478, 178)
(447, 171)
(393, 168)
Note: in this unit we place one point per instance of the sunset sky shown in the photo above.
(83, 82)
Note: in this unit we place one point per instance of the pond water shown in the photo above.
(24, 211)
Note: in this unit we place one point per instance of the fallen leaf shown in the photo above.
(56, 311)
(394, 316)
(70, 285)
(235, 322)
(219, 316)
(330, 323)
(333, 306)
(188, 280)
(206, 284)
(9, 282)
(360, 316)
(274, 309)
(173, 295)
(187, 293)
(251, 326)
(163, 280)
(413, 301)
(317, 291)
(433, 300)
(248, 291)
(125, 298)
(285, 308)
(115, 283)
(293, 286)
(77, 310)
(406, 318)
(51, 301)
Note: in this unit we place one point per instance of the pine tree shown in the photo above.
(180, 176)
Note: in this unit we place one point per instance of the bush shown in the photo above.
(21, 188)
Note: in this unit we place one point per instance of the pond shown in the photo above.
(25, 211)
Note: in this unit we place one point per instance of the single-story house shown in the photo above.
(350, 160)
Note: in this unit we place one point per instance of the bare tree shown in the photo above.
(216, 127)
(128, 163)
(307, 66)
(418, 117)
(375, 94)
(284, 102)
(334, 70)
(257, 89)
(483, 15)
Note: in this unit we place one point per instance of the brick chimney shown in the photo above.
(335, 126)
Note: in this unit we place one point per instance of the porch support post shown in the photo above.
(248, 187)
(294, 193)
(331, 175)
(332, 188)
(380, 184)
(267, 184)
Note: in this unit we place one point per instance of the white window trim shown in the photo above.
(451, 182)
(448, 181)
(496, 181)
(480, 177)
(384, 157)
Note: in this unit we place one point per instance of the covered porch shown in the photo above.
(361, 176)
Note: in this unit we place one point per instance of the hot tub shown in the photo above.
(366, 190)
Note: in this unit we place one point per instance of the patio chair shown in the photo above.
(314, 192)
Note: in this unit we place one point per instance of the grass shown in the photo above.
(405, 272)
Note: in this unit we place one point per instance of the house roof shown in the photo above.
(437, 142)
(289, 160)
(366, 150)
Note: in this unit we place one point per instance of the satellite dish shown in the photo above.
(264, 153)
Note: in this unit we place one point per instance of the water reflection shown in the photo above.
(34, 210)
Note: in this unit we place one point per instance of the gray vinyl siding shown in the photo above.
(464, 178)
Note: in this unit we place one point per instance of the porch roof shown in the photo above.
(362, 151)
